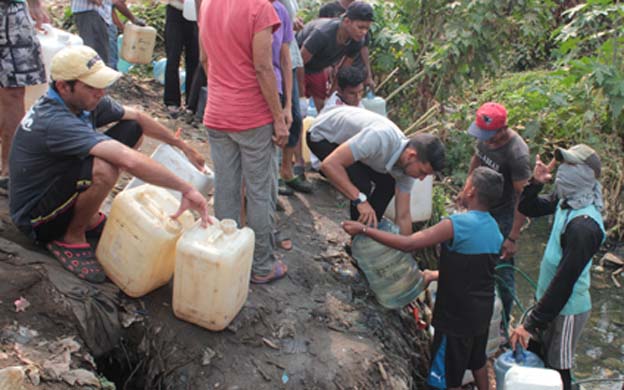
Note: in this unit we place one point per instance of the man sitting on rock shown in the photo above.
(62, 169)
(358, 147)
(563, 300)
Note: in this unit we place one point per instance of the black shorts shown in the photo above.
(50, 218)
(451, 356)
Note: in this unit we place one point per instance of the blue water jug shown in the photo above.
(375, 103)
(393, 275)
(519, 357)
(122, 65)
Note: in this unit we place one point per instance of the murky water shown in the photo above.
(600, 353)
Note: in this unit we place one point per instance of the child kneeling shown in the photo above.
(471, 242)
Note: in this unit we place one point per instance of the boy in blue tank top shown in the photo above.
(471, 242)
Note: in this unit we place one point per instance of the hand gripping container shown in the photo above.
(213, 267)
(137, 247)
(393, 275)
(176, 161)
(138, 44)
(509, 359)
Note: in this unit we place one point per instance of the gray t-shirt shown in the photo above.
(48, 141)
(319, 38)
(373, 139)
(512, 160)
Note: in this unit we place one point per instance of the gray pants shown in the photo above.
(94, 32)
(247, 156)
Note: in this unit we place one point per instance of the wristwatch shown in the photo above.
(361, 198)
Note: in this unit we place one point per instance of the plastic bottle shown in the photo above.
(52, 40)
(212, 271)
(375, 103)
(519, 357)
(137, 247)
(122, 66)
(312, 112)
(420, 201)
(138, 44)
(393, 275)
(176, 161)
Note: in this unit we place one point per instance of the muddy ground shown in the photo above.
(319, 328)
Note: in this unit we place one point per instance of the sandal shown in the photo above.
(279, 271)
(282, 241)
(96, 231)
(300, 185)
(282, 189)
(78, 259)
(299, 170)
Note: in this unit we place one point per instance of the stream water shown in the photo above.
(600, 353)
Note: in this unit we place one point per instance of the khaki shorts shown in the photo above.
(20, 51)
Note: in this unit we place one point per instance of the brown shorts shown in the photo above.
(20, 51)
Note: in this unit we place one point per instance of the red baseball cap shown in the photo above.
(490, 118)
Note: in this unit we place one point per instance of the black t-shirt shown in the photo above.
(47, 142)
(319, 38)
(331, 10)
(510, 160)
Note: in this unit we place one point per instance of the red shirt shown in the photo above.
(226, 31)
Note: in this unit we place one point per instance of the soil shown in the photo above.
(318, 328)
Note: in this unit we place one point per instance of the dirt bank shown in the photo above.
(319, 328)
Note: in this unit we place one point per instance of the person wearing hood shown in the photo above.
(563, 301)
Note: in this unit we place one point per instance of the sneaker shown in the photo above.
(173, 112)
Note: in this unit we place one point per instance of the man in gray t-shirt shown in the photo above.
(359, 148)
(502, 149)
(62, 169)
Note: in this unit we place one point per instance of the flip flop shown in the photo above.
(78, 259)
(96, 231)
(279, 271)
(282, 241)
(299, 185)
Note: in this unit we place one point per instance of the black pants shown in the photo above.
(51, 217)
(199, 81)
(179, 34)
(363, 177)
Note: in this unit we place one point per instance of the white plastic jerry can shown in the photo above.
(212, 271)
(176, 162)
(420, 201)
(52, 40)
(138, 44)
(532, 378)
(137, 247)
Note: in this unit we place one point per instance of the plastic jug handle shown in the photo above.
(172, 225)
(519, 354)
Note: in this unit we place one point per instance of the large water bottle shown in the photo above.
(518, 357)
(375, 103)
(393, 275)
(531, 378)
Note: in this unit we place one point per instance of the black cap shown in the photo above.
(359, 10)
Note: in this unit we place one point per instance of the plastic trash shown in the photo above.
(122, 65)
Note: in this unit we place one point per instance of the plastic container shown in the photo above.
(375, 104)
(52, 40)
(212, 272)
(393, 275)
(177, 162)
(138, 44)
(188, 11)
(312, 112)
(137, 247)
(158, 70)
(509, 359)
(420, 201)
(529, 378)
(122, 66)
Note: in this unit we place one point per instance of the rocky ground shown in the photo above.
(319, 328)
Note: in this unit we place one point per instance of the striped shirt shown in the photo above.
(105, 10)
